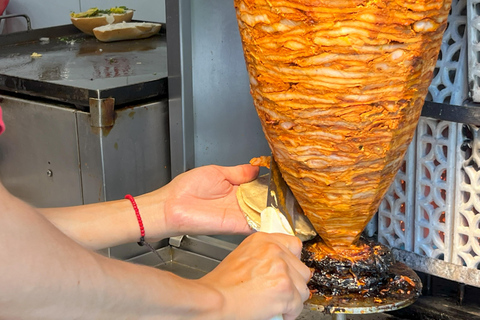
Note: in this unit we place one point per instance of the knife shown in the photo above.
(280, 215)
(283, 213)
(275, 218)
(280, 196)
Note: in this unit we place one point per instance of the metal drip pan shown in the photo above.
(183, 263)
(354, 304)
(188, 257)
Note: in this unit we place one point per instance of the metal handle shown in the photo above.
(8, 16)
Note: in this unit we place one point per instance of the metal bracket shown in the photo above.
(439, 268)
(207, 246)
(469, 113)
(102, 112)
(175, 241)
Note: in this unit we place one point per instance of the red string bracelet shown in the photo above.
(139, 219)
(142, 241)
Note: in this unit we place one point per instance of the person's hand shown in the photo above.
(203, 201)
(262, 278)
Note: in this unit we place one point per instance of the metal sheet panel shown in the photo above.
(213, 119)
(132, 157)
(43, 162)
(179, 52)
(227, 129)
(39, 160)
(51, 156)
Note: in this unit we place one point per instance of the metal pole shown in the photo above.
(180, 91)
(461, 293)
(339, 316)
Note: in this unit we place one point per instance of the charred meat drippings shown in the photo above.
(366, 271)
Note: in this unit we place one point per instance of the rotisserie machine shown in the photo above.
(339, 89)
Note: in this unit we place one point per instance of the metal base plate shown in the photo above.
(357, 304)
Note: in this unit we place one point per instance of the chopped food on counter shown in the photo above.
(94, 12)
(86, 21)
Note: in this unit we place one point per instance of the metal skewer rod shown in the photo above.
(339, 316)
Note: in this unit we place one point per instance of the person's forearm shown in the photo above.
(201, 201)
(107, 224)
(46, 275)
(89, 287)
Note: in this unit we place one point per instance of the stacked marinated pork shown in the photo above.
(339, 86)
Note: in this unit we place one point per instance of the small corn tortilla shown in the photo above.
(252, 199)
(252, 216)
(255, 193)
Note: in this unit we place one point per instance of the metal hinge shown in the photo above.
(102, 112)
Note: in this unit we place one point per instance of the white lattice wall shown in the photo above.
(396, 212)
(435, 188)
(433, 207)
(466, 241)
(473, 12)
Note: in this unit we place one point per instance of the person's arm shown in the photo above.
(262, 278)
(46, 275)
(107, 224)
(201, 201)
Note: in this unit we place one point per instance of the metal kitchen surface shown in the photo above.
(63, 64)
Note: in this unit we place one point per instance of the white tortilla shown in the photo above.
(252, 199)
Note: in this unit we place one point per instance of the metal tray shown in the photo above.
(183, 263)
(187, 256)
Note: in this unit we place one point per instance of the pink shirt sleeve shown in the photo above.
(2, 125)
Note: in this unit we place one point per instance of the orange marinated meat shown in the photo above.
(339, 87)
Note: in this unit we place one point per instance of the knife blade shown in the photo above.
(280, 196)
(283, 211)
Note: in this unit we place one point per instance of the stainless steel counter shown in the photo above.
(73, 67)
